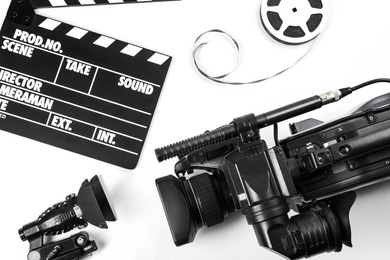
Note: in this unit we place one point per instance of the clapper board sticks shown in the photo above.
(76, 89)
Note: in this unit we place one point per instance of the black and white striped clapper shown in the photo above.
(76, 89)
(45, 3)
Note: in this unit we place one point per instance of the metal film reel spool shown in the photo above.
(293, 21)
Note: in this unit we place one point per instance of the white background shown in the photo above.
(353, 48)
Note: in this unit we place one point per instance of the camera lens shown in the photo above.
(201, 201)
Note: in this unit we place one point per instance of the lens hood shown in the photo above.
(177, 209)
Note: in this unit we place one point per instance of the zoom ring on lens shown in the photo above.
(209, 204)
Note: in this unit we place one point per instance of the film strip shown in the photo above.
(76, 89)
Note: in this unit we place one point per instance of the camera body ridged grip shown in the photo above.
(187, 146)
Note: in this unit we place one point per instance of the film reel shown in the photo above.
(293, 21)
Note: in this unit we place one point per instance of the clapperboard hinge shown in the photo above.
(21, 12)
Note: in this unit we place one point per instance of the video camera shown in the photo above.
(314, 172)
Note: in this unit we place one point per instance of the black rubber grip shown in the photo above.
(187, 146)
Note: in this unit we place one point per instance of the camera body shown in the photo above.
(314, 173)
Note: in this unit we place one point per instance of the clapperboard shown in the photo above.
(75, 89)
